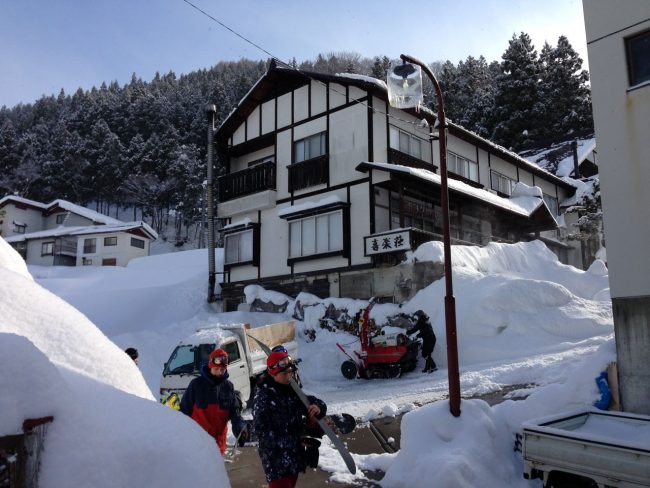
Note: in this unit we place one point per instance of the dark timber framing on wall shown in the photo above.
(283, 87)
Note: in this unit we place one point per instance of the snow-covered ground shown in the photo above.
(523, 318)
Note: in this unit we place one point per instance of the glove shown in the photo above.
(244, 436)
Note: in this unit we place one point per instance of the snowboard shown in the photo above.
(322, 423)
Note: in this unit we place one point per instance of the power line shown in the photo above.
(287, 65)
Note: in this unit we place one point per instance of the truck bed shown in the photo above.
(611, 448)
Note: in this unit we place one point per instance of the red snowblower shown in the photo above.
(381, 356)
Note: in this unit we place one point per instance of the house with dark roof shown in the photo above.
(325, 188)
(62, 233)
(574, 157)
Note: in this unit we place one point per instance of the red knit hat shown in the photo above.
(275, 358)
(218, 353)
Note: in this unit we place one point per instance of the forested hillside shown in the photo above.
(142, 145)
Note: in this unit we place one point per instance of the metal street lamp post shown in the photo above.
(211, 111)
(450, 303)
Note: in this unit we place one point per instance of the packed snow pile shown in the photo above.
(108, 430)
(523, 318)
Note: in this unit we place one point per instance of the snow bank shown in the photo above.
(107, 431)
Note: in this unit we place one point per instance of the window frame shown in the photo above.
(60, 218)
(253, 227)
(228, 238)
(138, 246)
(19, 228)
(47, 245)
(299, 155)
(495, 175)
(466, 163)
(90, 245)
(109, 239)
(633, 59)
(315, 213)
(396, 142)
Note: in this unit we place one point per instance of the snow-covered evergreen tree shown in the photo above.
(518, 104)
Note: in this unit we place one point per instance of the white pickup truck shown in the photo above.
(592, 448)
(246, 360)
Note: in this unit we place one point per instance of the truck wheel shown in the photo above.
(349, 369)
(560, 479)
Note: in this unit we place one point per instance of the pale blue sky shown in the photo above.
(46, 45)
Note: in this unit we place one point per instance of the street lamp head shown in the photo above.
(404, 82)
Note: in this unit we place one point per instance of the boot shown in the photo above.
(430, 365)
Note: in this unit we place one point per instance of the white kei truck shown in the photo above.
(246, 360)
(589, 448)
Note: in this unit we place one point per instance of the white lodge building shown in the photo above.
(326, 186)
(61, 233)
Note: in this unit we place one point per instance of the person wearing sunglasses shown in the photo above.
(281, 421)
(211, 400)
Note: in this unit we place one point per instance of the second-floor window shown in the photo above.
(19, 227)
(462, 166)
(60, 218)
(139, 243)
(310, 147)
(501, 183)
(110, 241)
(238, 247)
(638, 58)
(90, 246)
(316, 235)
(405, 142)
(47, 249)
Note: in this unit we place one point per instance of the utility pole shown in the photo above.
(211, 111)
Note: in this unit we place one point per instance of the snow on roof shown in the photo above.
(27, 201)
(244, 222)
(84, 212)
(84, 230)
(524, 201)
(301, 207)
(368, 79)
(557, 157)
(65, 205)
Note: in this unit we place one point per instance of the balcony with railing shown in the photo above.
(66, 246)
(248, 181)
(315, 171)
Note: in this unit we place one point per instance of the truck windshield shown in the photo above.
(187, 359)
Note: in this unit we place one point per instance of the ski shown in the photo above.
(322, 423)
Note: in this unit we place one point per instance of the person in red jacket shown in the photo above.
(211, 400)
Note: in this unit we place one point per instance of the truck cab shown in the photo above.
(186, 360)
(246, 360)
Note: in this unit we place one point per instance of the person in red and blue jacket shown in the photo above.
(211, 400)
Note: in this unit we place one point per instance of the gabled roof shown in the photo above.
(62, 231)
(278, 81)
(557, 156)
(23, 201)
(59, 206)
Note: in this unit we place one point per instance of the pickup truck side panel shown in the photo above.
(611, 448)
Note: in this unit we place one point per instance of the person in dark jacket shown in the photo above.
(280, 420)
(425, 332)
(211, 400)
(132, 352)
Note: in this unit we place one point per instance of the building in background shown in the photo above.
(618, 41)
(61, 233)
(326, 187)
